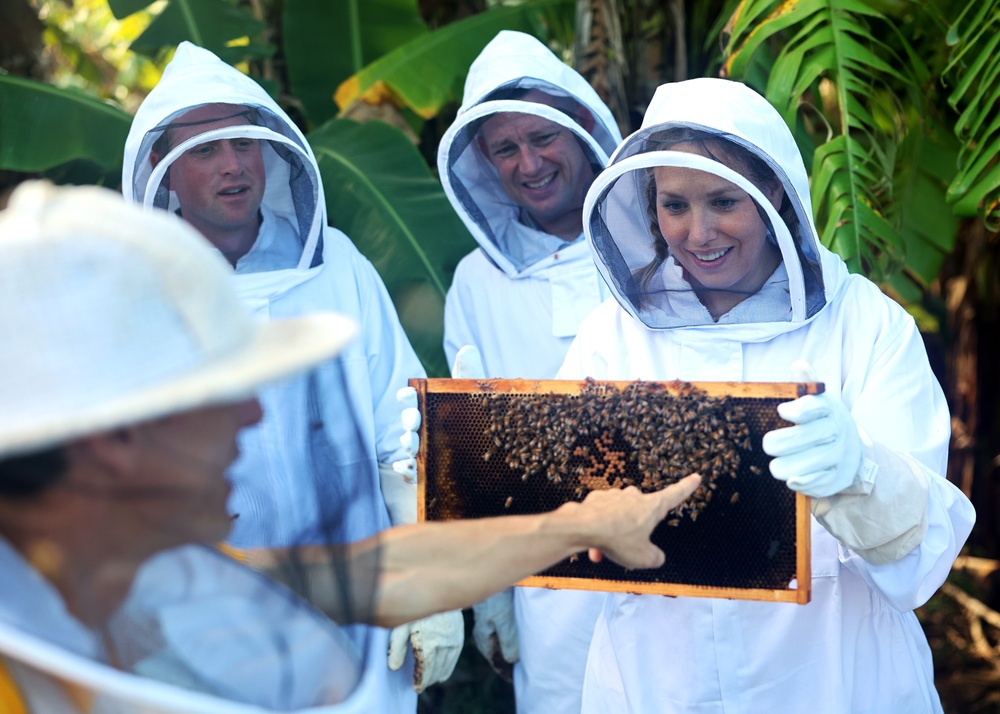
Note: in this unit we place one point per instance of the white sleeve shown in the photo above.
(459, 318)
(915, 519)
(391, 360)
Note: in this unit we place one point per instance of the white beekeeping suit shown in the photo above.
(129, 322)
(520, 299)
(882, 542)
(324, 436)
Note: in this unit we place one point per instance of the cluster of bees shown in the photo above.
(605, 437)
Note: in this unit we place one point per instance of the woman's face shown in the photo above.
(714, 232)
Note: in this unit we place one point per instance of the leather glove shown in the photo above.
(494, 630)
(822, 454)
(437, 642)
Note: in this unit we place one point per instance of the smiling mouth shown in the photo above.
(232, 191)
(542, 183)
(711, 257)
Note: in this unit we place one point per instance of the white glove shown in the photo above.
(822, 454)
(410, 440)
(468, 364)
(437, 642)
(495, 632)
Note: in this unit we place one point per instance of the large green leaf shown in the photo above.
(833, 43)
(975, 72)
(426, 73)
(380, 192)
(927, 225)
(216, 25)
(44, 127)
(327, 41)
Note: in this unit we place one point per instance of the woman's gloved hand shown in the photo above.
(822, 454)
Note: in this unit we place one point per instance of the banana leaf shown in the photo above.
(44, 127)
(327, 42)
(427, 72)
(381, 193)
(216, 25)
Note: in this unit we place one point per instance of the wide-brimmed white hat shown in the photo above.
(112, 315)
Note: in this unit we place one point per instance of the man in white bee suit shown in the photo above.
(121, 409)
(123, 395)
(529, 138)
(702, 225)
(210, 144)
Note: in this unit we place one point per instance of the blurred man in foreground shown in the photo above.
(128, 371)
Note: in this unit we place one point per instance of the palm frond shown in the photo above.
(974, 70)
(831, 57)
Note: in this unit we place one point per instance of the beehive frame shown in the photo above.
(751, 543)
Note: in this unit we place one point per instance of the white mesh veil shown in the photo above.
(620, 223)
(195, 630)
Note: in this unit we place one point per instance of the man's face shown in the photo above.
(219, 184)
(542, 168)
(179, 485)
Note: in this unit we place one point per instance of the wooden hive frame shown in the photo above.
(451, 484)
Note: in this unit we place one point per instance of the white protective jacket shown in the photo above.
(520, 299)
(323, 435)
(857, 646)
(232, 640)
(522, 295)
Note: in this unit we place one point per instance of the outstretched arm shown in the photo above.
(431, 567)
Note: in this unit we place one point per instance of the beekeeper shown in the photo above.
(702, 226)
(122, 395)
(210, 144)
(530, 136)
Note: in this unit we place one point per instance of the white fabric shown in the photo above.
(437, 642)
(857, 646)
(520, 299)
(494, 630)
(277, 246)
(44, 645)
(821, 455)
(287, 472)
(180, 340)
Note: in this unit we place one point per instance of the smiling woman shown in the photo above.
(702, 227)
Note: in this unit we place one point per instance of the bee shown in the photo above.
(510, 500)
(735, 497)
(754, 470)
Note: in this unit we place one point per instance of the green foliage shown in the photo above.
(380, 192)
(975, 73)
(334, 40)
(44, 127)
(216, 25)
(828, 47)
(426, 73)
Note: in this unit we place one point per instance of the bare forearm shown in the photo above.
(430, 567)
(409, 572)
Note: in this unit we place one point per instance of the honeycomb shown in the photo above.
(501, 447)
